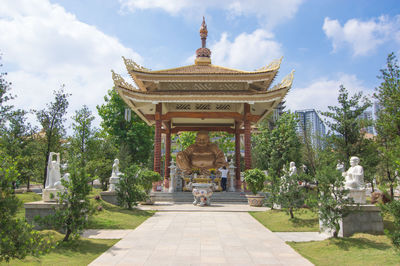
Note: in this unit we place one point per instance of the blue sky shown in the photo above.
(48, 43)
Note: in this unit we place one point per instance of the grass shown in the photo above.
(360, 249)
(279, 221)
(26, 197)
(111, 217)
(75, 252)
(114, 217)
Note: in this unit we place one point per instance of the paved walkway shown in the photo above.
(200, 238)
(302, 236)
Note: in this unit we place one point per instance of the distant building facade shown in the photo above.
(311, 123)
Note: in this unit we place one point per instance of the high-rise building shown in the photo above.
(368, 115)
(312, 125)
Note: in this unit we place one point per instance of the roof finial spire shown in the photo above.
(203, 33)
(203, 54)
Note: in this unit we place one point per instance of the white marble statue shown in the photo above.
(340, 166)
(355, 181)
(354, 175)
(59, 184)
(53, 170)
(292, 169)
(115, 175)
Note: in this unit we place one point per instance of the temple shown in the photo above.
(202, 97)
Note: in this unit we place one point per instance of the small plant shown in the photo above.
(147, 178)
(255, 179)
(99, 208)
(97, 197)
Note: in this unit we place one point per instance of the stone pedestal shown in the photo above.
(109, 196)
(39, 208)
(358, 195)
(361, 219)
(50, 194)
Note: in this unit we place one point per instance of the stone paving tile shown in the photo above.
(202, 238)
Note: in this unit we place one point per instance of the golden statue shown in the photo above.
(202, 155)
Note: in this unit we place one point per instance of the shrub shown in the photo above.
(129, 191)
(17, 238)
(394, 209)
(255, 179)
(74, 205)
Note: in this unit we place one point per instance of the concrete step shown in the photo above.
(228, 197)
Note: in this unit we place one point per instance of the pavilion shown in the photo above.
(202, 97)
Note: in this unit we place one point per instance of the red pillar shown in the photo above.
(157, 141)
(167, 153)
(247, 137)
(237, 154)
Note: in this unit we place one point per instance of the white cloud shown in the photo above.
(321, 93)
(47, 46)
(246, 51)
(362, 36)
(269, 12)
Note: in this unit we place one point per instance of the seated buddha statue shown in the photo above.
(202, 154)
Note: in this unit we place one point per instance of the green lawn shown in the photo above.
(76, 252)
(360, 249)
(279, 221)
(114, 217)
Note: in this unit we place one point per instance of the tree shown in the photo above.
(185, 139)
(129, 193)
(74, 206)
(291, 195)
(5, 96)
(388, 118)
(17, 238)
(345, 124)
(102, 159)
(52, 120)
(135, 134)
(332, 198)
(224, 141)
(83, 135)
(274, 148)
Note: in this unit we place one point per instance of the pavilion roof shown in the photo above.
(147, 80)
(202, 94)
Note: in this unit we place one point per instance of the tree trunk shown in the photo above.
(28, 185)
(391, 191)
(291, 213)
(66, 237)
(45, 166)
(372, 186)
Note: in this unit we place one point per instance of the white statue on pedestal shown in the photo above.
(355, 181)
(292, 169)
(173, 178)
(354, 175)
(115, 175)
(53, 179)
(53, 170)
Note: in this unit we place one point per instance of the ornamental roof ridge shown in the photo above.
(274, 65)
(120, 82)
(132, 65)
(286, 82)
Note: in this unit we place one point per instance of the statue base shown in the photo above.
(39, 208)
(50, 194)
(360, 219)
(358, 195)
(109, 196)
